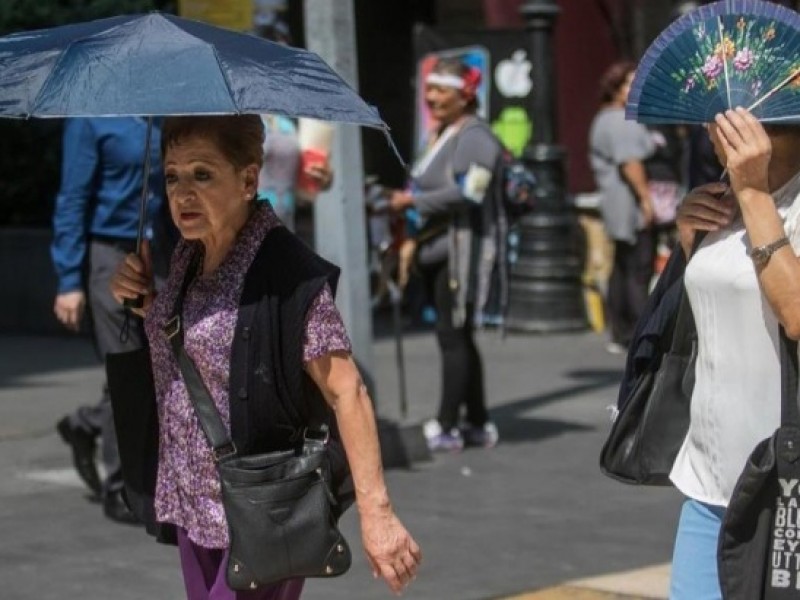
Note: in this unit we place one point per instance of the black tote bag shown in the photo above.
(759, 543)
(654, 405)
(650, 428)
(133, 403)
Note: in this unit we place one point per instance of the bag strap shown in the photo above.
(222, 445)
(682, 337)
(790, 414)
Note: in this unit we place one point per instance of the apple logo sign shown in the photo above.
(513, 75)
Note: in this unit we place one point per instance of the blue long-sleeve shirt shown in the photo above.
(101, 186)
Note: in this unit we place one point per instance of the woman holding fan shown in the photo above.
(743, 280)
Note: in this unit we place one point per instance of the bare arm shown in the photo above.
(474, 146)
(780, 278)
(748, 149)
(392, 552)
(633, 172)
(438, 201)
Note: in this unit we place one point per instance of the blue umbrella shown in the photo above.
(157, 64)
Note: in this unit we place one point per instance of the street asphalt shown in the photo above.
(533, 518)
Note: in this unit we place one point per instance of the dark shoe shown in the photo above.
(83, 450)
(114, 508)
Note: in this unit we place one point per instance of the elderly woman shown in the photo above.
(742, 283)
(211, 167)
(451, 187)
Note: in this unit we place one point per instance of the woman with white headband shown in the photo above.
(451, 186)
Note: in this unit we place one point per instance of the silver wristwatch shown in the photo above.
(762, 254)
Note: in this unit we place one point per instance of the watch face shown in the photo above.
(760, 256)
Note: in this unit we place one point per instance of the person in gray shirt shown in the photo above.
(451, 187)
(617, 149)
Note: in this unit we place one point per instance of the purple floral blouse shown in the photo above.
(187, 487)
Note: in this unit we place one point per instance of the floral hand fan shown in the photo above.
(720, 56)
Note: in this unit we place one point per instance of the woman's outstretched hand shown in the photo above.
(392, 552)
(134, 278)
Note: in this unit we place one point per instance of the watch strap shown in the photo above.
(762, 254)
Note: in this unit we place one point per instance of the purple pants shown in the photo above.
(204, 576)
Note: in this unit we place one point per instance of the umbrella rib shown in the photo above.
(61, 56)
(50, 75)
(225, 77)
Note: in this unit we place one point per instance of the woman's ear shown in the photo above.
(251, 178)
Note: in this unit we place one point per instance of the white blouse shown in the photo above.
(736, 401)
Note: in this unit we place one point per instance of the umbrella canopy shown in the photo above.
(157, 64)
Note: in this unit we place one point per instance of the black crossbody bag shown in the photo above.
(281, 512)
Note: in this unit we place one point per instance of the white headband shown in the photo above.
(450, 81)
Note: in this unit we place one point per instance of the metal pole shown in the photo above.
(340, 223)
(138, 302)
(145, 186)
(396, 298)
(546, 293)
(540, 16)
(339, 220)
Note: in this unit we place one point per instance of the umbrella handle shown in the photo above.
(138, 302)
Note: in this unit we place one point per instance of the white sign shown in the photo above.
(512, 76)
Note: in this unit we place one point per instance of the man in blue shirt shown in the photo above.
(94, 226)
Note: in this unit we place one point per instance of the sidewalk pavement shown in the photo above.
(532, 518)
(649, 583)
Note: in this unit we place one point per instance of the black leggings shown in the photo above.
(462, 371)
(629, 283)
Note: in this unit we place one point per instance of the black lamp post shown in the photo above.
(546, 293)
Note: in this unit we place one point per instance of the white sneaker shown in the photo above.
(431, 428)
(439, 440)
(447, 442)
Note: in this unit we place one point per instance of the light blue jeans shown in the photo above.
(694, 560)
